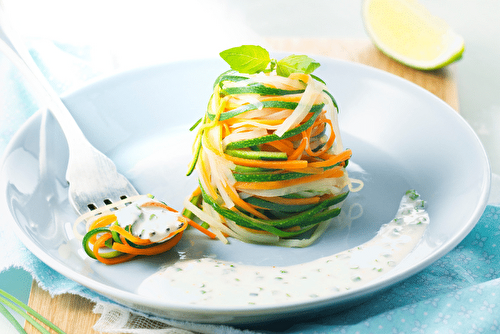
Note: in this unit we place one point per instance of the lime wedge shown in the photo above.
(407, 32)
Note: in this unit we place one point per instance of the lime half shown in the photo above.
(407, 32)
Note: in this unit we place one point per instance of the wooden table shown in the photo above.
(74, 314)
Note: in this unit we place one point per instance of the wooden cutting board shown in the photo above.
(74, 315)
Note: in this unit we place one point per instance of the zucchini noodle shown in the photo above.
(270, 160)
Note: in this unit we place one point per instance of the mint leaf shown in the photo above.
(253, 59)
(296, 64)
(248, 59)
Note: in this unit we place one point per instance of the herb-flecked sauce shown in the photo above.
(215, 282)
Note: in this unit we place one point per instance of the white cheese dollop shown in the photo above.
(153, 223)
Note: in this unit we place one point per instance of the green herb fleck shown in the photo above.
(399, 220)
(412, 194)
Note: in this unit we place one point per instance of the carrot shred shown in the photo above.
(115, 260)
(225, 129)
(242, 204)
(139, 241)
(280, 146)
(160, 248)
(332, 160)
(129, 236)
(158, 205)
(296, 164)
(287, 143)
(291, 201)
(198, 227)
(326, 147)
(297, 154)
(196, 192)
(103, 221)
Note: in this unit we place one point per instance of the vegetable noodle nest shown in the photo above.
(270, 159)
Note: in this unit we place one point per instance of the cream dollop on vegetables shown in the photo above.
(216, 282)
(153, 223)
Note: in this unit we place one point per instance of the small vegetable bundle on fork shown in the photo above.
(268, 152)
(135, 226)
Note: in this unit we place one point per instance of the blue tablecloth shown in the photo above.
(457, 294)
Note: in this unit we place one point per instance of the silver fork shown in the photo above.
(93, 178)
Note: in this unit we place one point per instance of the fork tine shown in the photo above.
(93, 179)
(88, 194)
(84, 203)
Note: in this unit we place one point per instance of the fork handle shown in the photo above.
(12, 46)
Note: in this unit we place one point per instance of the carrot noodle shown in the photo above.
(247, 191)
(100, 243)
(292, 201)
(158, 205)
(158, 249)
(198, 227)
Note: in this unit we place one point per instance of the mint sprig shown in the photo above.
(252, 59)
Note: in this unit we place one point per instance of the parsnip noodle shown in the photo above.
(270, 160)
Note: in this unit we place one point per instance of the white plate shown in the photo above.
(402, 137)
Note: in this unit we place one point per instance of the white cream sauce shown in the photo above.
(151, 223)
(215, 282)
